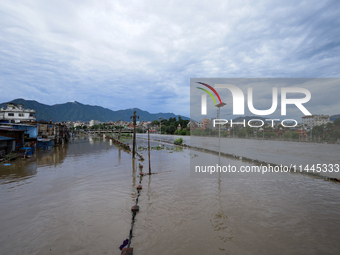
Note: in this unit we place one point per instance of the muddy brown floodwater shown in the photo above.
(77, 198)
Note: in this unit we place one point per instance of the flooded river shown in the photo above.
(77, 198)
(270, 151)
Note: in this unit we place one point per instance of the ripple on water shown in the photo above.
(84, 205)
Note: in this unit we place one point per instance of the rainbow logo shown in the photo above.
(209, 93)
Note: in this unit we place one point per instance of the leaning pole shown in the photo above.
(134, 117)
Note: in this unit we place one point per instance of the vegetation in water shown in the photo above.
(169, 149)
(178, 141)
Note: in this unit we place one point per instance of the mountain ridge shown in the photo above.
(76, 111)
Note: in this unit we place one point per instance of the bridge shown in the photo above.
(110, 131)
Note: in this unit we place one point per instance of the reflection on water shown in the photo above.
(54, 156)
(77, 199)
(23, 169)
(20, 171)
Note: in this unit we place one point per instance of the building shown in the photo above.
(56, 132)
(321, 119)
(7, 145)
(205, 123)
(94, 122)
(315, 120)
(77, 124)
(199, 124)
(308, 121)
(16, 113)
(17, 134)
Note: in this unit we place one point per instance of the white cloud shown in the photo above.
(121, 54)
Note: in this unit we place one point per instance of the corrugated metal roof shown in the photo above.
(43, 140)
(4, 138)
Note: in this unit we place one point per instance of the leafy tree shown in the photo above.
(336, 122)
(214, 132)
(318, 130)
(287, 135)
(171, 120)
(329, 125)
(242, 133)
(170, 126)
(295, 135)
(140, 130)
(336, 133)
(172, 129)
(224, 134)
(249, 131)
(164, 122)
(183, 132)
(197, 132)
(271, 135)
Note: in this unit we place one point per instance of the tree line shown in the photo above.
(327, 133)
(170, 126)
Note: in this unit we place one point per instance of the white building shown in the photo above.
(199, 124)
(315, 120)
(94, 122)
(308, 121)
(77, 124)
(321, 119)
(17, 113)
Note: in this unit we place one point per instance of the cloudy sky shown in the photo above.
(124, 54)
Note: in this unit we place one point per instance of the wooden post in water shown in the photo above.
(120, 130)
(134, 117)
(149, 149)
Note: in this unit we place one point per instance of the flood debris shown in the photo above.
(125, 146)
(125, 247)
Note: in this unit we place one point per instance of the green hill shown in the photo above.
(334, 117)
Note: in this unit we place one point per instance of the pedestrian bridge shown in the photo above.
(110, 131)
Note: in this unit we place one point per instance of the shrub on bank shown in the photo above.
(178, 141)
(290, 135)
(270, 135)
(242, 133)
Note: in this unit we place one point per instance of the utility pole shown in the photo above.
(149, 149)
(119, 131)
(134, 117)
(219, 131)
(160, 129)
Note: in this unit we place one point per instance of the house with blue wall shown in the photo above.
(25, 134)
(7, 145)
(31, 131)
